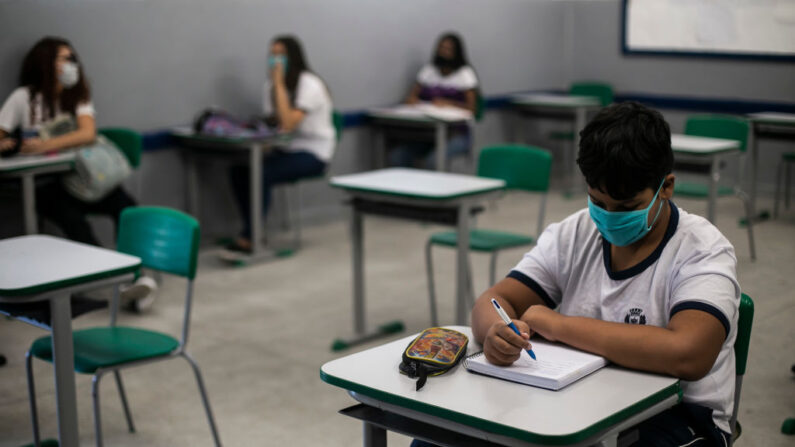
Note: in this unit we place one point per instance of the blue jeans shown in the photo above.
(682, 425)
(406, 154)
(278, 167)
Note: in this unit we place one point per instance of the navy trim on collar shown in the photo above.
(534, 286)
(651, 259)
(704, 307)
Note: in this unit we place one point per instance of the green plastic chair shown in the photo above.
(727, 127)
(129, 141)
(741, 344)
(787, 159)
(601, 90)
(523, 168)
(166, 240)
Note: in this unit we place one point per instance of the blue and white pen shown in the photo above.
(509, 322)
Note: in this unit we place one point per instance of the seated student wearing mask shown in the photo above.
(298, 101)
(53, 87)
(448, 81)
(633, 278)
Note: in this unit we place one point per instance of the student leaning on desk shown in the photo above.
(298, 101)
(448, 81)
(634, 278)
(52, 85)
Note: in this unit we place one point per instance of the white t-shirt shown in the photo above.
(460, 80)
(315, 133)
(16, 111)
(693, 268)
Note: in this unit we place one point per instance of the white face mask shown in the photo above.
(69, 75)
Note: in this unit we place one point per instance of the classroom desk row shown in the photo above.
(765, 125)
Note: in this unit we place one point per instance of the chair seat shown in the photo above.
(483, 240)
(687, 189)
(102, 347)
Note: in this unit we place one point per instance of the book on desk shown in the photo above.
(557, 366)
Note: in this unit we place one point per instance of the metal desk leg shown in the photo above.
(359, 325)
(29, 203)
(579, 124)
(462, 288)
(192, 177)
(441, 146)
(63, 353)
(255, 185)
(754, 147)
(714, 177)
(357, 256)
(373, 436)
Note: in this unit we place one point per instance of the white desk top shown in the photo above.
(556, 100)
(692, 144)
(423, 112)
(19, 162)
(773, 118)
(38, 263)
(417, 183)
(528, 413)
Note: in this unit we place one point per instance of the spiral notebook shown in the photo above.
(557, 366)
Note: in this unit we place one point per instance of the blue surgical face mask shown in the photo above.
(278, 59)
(622, 228)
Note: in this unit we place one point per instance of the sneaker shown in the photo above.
(142, 305)
(236, 247)
(143, 289)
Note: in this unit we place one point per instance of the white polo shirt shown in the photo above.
(315, 133)
(16, 111)
(693, 268)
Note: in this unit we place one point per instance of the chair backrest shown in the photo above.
(719, 126)
(745, 320)
(601, 90)
(165, 239)
(129, 141)
(337, 121)
(480, 106)
(522, 167)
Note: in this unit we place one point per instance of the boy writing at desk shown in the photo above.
(634, 279)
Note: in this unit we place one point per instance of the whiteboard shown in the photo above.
(744, 28)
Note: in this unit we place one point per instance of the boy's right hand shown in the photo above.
(502, 346)
(6, 144)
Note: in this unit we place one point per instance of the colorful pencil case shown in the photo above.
(435, 351)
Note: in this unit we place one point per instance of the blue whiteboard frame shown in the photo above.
(626, 50)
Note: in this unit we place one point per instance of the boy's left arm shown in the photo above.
(687, 348)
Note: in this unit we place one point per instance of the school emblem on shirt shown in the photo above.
(635, 316)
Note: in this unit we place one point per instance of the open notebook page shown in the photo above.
(557, 366)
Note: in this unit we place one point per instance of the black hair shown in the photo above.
(296, 63)
(625, 149)
(459, 55)
(39, 75)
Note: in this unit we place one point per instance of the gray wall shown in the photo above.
(154, 63)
